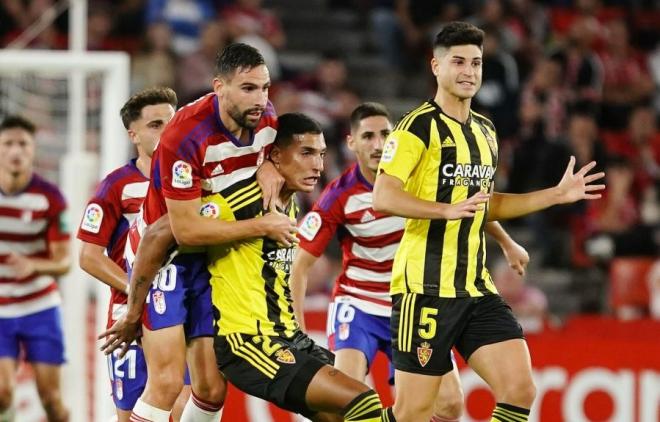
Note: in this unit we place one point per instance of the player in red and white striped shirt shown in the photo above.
(219, 140)
(34, 250)
(359, 315)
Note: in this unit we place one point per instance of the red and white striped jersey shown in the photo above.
(108, 216)
(198, 156)
(369, 240)
(29, 222)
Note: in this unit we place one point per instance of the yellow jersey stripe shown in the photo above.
(252, 192)
(246, 202)
(241, 190)
(407, 120)
(238, 351)
(250, 348)
(366, 405)
(416, 115)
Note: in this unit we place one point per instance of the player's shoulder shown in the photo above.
(116, 180)
(50, 190)
(339, 189)
(416, 119)
(483, 120)
(194, 120)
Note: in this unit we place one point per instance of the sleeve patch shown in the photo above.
(310, 225)
(92, 218)
(389, 150)
(182, 175)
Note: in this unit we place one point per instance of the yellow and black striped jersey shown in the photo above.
(249, 278)
(441, 159)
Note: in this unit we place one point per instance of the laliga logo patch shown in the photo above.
(424, 353)
(285, 356)
(388, 150)
(182, 175)
(310, 225)
(159, 302)
(210, 210)
(92, 218)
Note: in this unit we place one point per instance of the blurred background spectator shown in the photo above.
(561, 78)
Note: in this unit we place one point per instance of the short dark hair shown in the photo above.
(291, 124)
(368, 109)
(132, 109)
(20, 122)
(459, 33)
(237, 56)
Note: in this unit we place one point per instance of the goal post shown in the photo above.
(79, 171)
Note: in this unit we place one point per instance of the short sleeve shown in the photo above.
(318, 227)
(180, 168)
(401, 154)
(101, 216)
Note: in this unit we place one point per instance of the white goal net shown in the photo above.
(74, 99)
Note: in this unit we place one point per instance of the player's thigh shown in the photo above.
(351, 362)
(47, 377)
(330, 390)
(449, 400)
(165, 350)
(204, 373)
(504, 366)
(415, 394)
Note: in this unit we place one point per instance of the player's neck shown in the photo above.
(239, 132)
(285, 197)
(452, 106)
(369, 176)
(143, 163)
(13, 183)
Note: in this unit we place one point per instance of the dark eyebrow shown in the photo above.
(156, 121)
(368, 132)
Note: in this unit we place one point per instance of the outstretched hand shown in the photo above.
(120, 336)
(576, 186)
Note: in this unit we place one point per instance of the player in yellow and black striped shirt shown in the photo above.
(259, 346)
(437, 169)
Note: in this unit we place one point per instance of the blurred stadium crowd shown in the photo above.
(560, 78)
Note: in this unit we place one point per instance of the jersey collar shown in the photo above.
(437, 107)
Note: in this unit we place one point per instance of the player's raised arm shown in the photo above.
(571, 188)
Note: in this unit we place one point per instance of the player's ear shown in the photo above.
(132, 136)
(276, 155)
(350, 142)
(217, 85)
(435, 66)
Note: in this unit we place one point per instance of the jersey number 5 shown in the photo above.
(427, 323)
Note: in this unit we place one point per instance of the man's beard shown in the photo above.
(242, 118)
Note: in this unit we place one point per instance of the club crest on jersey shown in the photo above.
(210, 210)
(159, 302)
(119, 389)
(285, 356)
(424, 353)
(344, 330)
(389, 150)
(310, 225)
(92, 218)
(182, 175)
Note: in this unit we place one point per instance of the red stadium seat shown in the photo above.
(629, 292)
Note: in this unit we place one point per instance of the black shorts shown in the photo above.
(274, 368)
(425, 328)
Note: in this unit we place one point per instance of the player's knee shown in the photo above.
(211, 390)
(521, 393)
(451, 408)
(168, 384)
(413, 410)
